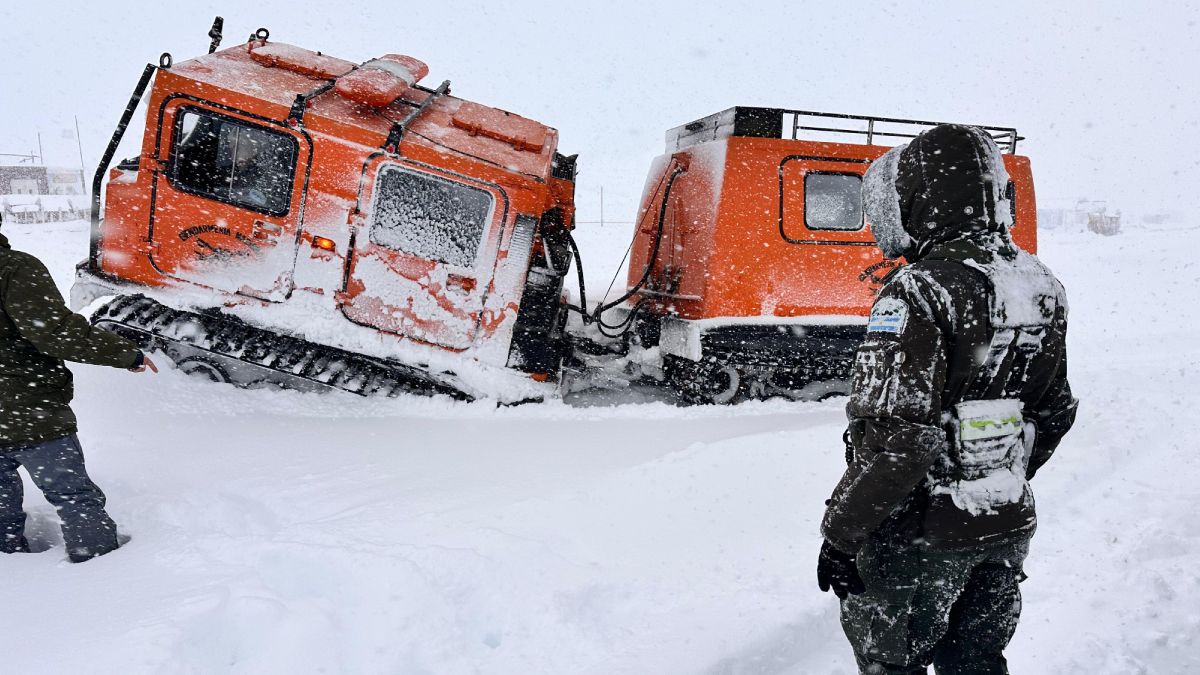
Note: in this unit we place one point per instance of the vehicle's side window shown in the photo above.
(429, 216)
(234, 161)
(833, 201)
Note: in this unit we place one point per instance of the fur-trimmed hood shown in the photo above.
(949, 181)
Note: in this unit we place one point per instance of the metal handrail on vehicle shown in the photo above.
(747, 121)
(1006, 137)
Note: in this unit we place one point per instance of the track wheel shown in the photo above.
(203, 369)
(725, 384)
(704, 382)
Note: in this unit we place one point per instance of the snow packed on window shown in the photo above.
(833, 201)
(428, 216)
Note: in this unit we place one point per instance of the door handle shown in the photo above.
(264, 230)
(461, 283)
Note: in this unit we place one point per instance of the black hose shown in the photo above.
(620, 329)
(597, 316)
(662, 215)
(582, 309)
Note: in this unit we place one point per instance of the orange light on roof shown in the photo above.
(324, 244)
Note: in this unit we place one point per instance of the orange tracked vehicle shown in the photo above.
(300, 220)
(353, 228)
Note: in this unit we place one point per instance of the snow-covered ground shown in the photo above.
(276, 532)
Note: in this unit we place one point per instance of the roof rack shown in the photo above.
(789, 124)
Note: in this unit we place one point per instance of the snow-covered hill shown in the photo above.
(276, 532)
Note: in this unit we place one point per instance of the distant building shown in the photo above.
(44, 208)
(23, 180)
(33, 179)
(1080, 214)
(32, 193)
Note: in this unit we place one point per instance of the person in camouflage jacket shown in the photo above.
(959, 395)
(37, 427)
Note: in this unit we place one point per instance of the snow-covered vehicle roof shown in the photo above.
(277, 74)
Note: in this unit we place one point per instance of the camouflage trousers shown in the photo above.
(956, 610)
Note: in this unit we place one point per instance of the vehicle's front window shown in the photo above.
(234, 161)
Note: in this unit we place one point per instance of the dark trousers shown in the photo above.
(56, 467)
(954, 610)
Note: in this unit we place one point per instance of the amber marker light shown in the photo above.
(324, 244)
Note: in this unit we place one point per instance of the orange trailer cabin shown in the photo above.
(754, 249)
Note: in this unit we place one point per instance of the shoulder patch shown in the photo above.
(889, 315)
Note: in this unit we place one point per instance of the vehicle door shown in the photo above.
(424, 253)
(228, 200)
(821, 215)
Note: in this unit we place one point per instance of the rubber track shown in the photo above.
(280, 358)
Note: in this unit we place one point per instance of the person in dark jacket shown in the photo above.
(959, 395)
(37, 427)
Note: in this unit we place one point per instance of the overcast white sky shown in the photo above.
(1107, 93)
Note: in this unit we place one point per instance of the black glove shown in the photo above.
(839, 571)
